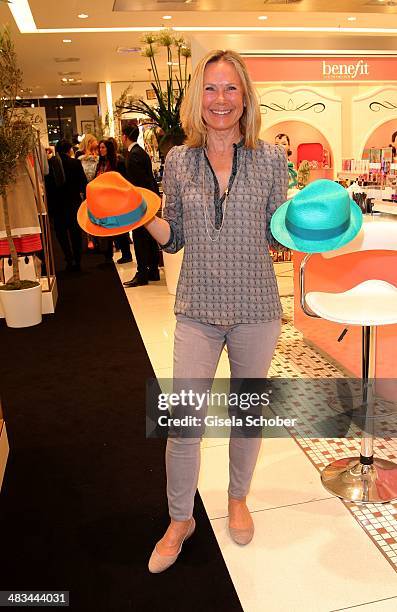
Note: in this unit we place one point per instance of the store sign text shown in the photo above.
(350, 71)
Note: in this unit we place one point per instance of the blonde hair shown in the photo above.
(191, 108)
(86, 142)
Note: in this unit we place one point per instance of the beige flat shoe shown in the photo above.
(159, 563)
(242, 536)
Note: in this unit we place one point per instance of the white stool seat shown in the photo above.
(373, 302)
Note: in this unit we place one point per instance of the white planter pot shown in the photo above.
(22, 307)
(172, 268)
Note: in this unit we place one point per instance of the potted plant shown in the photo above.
(165, 114)
(16, 142)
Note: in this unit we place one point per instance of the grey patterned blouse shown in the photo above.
(227, 275)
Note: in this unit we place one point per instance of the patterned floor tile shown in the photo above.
(295, 359)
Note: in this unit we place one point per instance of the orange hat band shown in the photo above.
(116, 221)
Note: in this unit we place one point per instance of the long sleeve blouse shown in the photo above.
(227, 275)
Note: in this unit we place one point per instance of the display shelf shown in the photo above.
(350, 175)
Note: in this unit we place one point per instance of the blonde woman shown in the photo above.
(84, 145)
(89, 160)
(88, 156)
(221, 189)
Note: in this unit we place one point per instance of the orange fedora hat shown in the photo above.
(115, 206)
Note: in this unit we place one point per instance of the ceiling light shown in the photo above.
(262, 17)
(167, 16)
(32, 105)
(45, 96)
(64, 79)
(22, 14)
(85, 96)
(59, 96)
(351, 18)
(330, 29)
(82, 16)
(66, 40)
(17, 97)
(126, 50)
(188, 1)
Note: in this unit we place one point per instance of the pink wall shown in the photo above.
(298, 132)
(336, 69)
(340, 274)
(381, 137)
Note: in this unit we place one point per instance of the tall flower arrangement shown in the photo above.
(169, 95)
(16, 140)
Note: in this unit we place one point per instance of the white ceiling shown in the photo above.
(99, 61)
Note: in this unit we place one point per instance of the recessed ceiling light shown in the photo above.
(45, 96)
(85, 96)
(126, 50)
(82, 16)
(64, 79)
(262, 17)
(66, 40)
(17, 97)
(167, 16)
(59, 96)
(351, 18)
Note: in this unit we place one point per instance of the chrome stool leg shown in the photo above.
(364, 479)
(344, 404)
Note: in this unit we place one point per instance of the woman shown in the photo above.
(84, 145)
(89, 160)
(108, 158)
(283, 141)
(221, 189)
(110, 161)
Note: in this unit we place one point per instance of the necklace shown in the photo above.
(215, 231)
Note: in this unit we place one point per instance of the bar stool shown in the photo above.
(369, 304)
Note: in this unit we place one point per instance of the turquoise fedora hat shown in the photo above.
(320, 218)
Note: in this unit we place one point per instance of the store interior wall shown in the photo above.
(84, 115)
(298, 132)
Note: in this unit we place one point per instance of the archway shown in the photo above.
(380, 138)
(300, 132)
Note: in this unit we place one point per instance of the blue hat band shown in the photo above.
(117, 221)
(317, 234)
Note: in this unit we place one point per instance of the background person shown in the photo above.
(84, 145)
(284, 141)
(109, 161)
(66, 184)
(221, 189)
(140, 173)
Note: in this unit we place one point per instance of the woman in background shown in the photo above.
(109, 161)
(284, 141)
(84, 145)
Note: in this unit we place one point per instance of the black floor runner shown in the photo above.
(83, 500)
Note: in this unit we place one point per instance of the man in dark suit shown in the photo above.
(65, 186)
(139, 173)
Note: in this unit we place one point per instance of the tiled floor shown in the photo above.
(308, 554)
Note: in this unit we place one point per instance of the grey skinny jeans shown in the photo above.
(197, 349)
